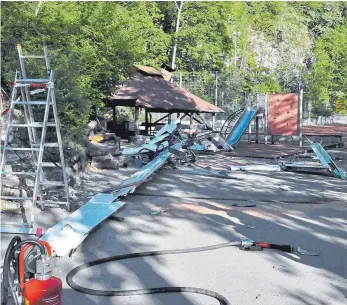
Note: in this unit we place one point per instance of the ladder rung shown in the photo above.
(32, 103)
(32, 80)
(49, 164)
(21, 148)
(54, 203)
(16, 198)
(55, 144)
(52, 183)
(33, 56)
(34, 125)
(7, 228)
(18, 173)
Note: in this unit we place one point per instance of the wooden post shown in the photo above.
(146, 122)
(114, 114)
(301, 98)
(137, 122)
(191, 121)
(213, 120)
(169, 119)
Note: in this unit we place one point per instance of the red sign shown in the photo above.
(283, 114)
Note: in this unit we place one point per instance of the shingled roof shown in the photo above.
(148, 89)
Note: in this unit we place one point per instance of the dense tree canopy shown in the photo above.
(260, 46)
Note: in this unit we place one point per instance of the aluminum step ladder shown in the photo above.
(22, 97)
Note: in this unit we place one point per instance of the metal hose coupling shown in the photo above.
(44, 268)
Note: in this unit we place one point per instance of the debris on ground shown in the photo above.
(285, 188)
(279, 267)
(160, 211)
(303, 251)
(244, 205)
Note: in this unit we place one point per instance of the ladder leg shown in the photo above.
(13, 96)
(42, 141)
(61, 152)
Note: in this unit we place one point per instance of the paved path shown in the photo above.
(202, 214)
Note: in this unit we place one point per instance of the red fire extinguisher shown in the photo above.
(27, 274)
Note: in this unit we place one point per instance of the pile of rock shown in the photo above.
(103, 148)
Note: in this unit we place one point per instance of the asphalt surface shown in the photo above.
(311, 214)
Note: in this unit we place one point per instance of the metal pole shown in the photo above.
(266, 127)
(216, 88)
(300, 116)
(180, 79)
(257, 129)
(179, 9)
(235, 47)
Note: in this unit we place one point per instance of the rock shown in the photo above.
(15, 192)
(138, 140)
(100, 149)
(105, 162)
(92, 125)
(29, 182)
(72, 193)
(11, 181)
(76, 166)
(74, 177)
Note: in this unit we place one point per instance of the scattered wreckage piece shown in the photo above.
(67, 235)
(156, 144)
(144, 173)
(327, 166)
(327, 161)
(256, 167)
(207, 171)
(304, 168)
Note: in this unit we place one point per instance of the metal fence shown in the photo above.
(221, 89)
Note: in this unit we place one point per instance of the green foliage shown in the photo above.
(260, 47)
(92, 45)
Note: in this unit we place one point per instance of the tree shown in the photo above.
(92, 47)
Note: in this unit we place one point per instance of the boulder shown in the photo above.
(15, 192)
(100, 149)
(11, 181)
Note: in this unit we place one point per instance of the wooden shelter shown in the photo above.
(152, 90)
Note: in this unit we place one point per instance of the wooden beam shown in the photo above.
(137, 122)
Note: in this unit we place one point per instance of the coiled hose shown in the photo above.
(6, 269)
(69, 278)
(8, 279)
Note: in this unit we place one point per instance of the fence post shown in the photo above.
(300, 116)
(266, 127)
